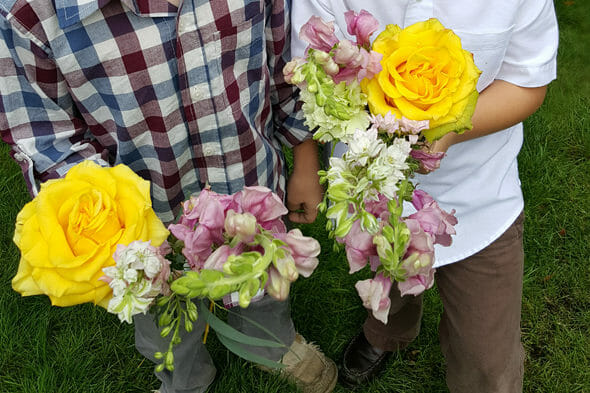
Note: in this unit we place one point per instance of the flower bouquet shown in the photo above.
(93, 236)
(385, 102)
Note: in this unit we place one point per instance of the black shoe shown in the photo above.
(362, 362)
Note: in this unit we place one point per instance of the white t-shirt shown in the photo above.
(511, 40)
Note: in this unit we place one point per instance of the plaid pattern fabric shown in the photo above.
(185, 97)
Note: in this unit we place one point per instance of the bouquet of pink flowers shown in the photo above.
(93, 237)
(418, 84)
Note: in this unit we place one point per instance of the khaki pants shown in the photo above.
(480, 327)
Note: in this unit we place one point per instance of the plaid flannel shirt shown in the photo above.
(185, 97)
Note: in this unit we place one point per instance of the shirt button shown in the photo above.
(181, 26)
(208, 150)
(197, 93)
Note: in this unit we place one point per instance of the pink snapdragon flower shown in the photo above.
(286, 267)
(418, 260)
(433, 219)
(359, 248)
(198, 245)
(428, 161)
(363, 64)
(266, 206)
(319, 34)
(207, 208)
(404, 126)
(291, 71)
(347, 53)
(375, 295)
(216, 260)
(361, 25)
(413, 127)
(378, 207)
(303, 249)
(240, 225)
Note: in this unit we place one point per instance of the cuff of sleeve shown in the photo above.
(291, 138)
(528, 76)
(33, 182)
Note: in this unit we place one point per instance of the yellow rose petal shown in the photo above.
(23, 282)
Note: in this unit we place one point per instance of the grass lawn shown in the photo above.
(84, 349)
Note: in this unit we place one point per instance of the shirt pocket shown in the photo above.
(238, 44)
(237, 30)
(488, 52)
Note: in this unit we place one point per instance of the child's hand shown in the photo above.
(439, 146)
(304, 191)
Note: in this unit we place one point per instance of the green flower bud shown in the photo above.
(219, 290)
(162, 301)
(343, 227)
(339, 192)
(178, 288)
(369, 222)
(191, 309)
(164, 319)
(158, 355)
(339, 211)
(210, 276)
(384, 249)
(188, 325)
(166, 331)
(329, 225)
(193, 315)
(387, 232)
(160, 368)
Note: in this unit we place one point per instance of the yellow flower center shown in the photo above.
(92, 220)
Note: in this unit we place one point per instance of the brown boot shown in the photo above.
(309, 368)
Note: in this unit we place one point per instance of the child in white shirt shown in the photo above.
(480, 276)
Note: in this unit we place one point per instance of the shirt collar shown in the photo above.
(70, 12)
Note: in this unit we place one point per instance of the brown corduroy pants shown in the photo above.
(480, 327)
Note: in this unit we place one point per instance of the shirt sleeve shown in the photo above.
(287, 116)
(37, 115)
(531, 56)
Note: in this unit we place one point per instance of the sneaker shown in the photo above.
(309, 368)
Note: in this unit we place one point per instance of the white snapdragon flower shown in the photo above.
(130, 275)
(152, 265)
(364, 146)
(127, 306)
(338, 171)
(118, 286)
(134, 279)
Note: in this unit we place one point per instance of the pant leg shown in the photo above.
(193, 368)
(403, 322)
(480, 326)
(274, 315)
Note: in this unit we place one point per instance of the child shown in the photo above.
(479, 277)
(185, 94)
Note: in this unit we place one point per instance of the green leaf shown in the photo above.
(223, 329)
(244, 354)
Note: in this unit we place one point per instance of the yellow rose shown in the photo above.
(426, 76)
(70, 231)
